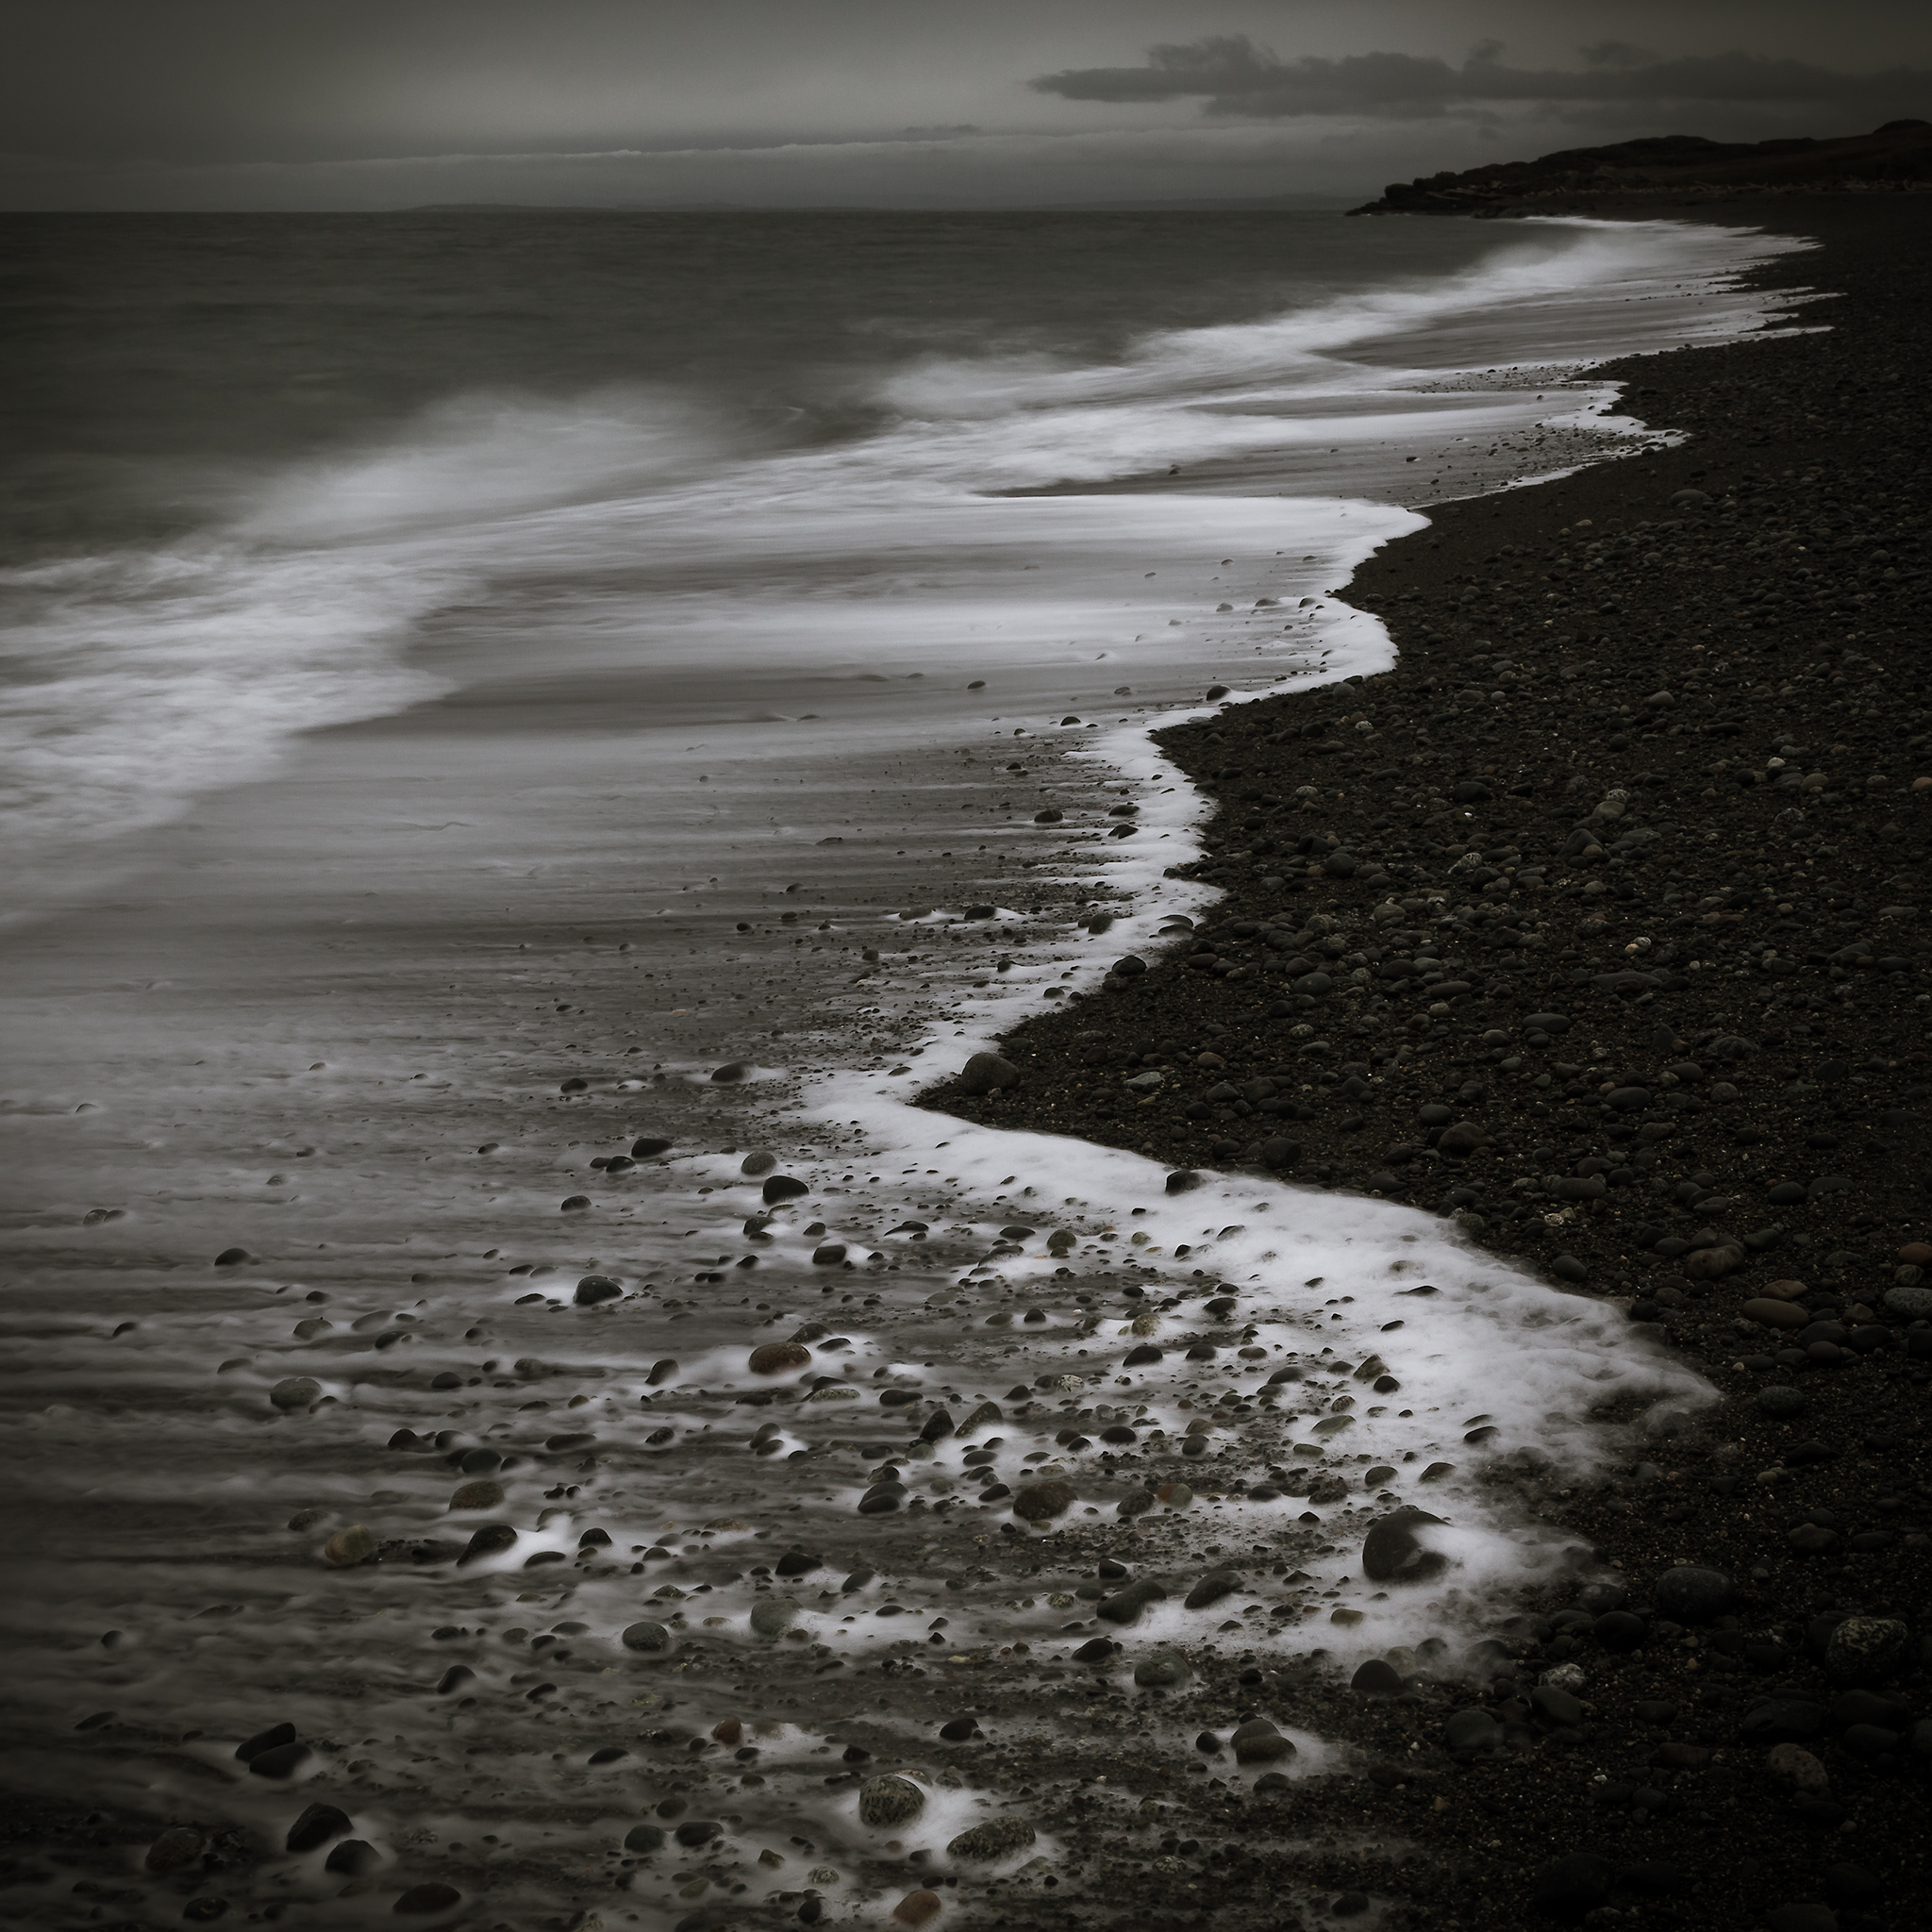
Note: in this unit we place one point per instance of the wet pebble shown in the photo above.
(651, 1639)
(998, 1837)
(889, 1800)
(295, 1392)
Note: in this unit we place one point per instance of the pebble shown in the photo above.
(176, 1848)
(477, 1495)
(353, 1857)
(774, 1616)
(1041, 1502)
(1391, 1554)
(755, 1164)
(782, 1187)
(1691, 1594)
(646, 1637)
(316, 1827)
(1866, 1650)
(1162, 1671)
(987, 1073)
(1257, 1741)
(348, 1547)
(919, 1907)
(1471, 1730)
(777, 1357)
(295, 1392)
(1125, 1606)
(1376, 1678)
(1211, 1588)
(998, 1837)
(1795, 1763)
(594, 1288)
(887, 1800)
(492, 1540)
(432, 1895)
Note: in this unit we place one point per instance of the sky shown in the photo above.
(383, 104)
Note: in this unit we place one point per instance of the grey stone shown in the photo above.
(1866, 1650)
(774, 1616)
(986, 1072)
(998, 1837)
(295, 1392)
(1692, 1594)
(887, 1801)
(647, 1638)
(1162, 1671)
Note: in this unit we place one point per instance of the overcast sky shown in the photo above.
(359, 104)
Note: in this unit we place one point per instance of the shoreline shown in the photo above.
(1633, 842)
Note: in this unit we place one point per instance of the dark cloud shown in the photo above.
(1232, 76)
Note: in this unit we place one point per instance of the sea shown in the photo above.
(482, 1313)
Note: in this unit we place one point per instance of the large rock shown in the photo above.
(998, 1837)
(649, 1639)
(986, 1072)
(778, 1358)
(1039, 1502)
(1866, 1650)
(887, 1801)
(1393, 1553)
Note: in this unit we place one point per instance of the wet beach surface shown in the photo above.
(462, 1479)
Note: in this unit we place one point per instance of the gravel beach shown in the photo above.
(1598, 923)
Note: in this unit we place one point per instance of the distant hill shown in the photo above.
(1897, 156)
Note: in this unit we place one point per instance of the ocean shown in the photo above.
(405, 615)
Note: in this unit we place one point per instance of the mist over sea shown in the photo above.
(469, 677)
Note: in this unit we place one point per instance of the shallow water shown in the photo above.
(637, 735)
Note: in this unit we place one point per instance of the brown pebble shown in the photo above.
(348, 1547)
(1772, 1314)
(1915, 1255)
(1794, 1762)
(727, 1731)
(775, 1357)
(917, 1908)
(1035, 1502)
(477, 1495)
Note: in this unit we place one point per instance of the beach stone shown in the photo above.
(1215, 1585)
(176, 1848)
(1795, 1763)
(732, 1072)
(1912, 1301)
(1463, 1139)
(348, 1547)
(1376, 1678)
(1257, 1741)
(1552, 1702)
(279, 1761)
(649, 1145)
(782, 1187)
(1183, 1181)
(432, 1895)
(1128, 966)
(886, 1801)
(1866, 1650)
(778, 1358)
(594, 1288)
(1391, 1554)
(998, 1837)
(644, 1838)
(1774, 1314)
(316, 1827)
(574, 1204)
(1126, 1605)
(882, 1498)
(987, 1073)
(774, 1616)
(233, 1258)
(353, 1857)
(651, 1639)
(492, 1540)
(1692, 1594)
(477, 1495)
(919, 1909)
(1039, 1502)
(1162, 1671)
(753, 1165)
(295, 1392)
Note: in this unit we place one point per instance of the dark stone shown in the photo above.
(1391, 1554)
(492, 1540)
(782, 1187)
(1692, 1594)
(316, 1827)
(594, 1288)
